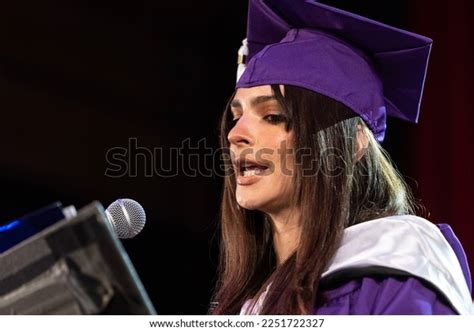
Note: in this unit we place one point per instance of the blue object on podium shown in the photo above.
(21, 228)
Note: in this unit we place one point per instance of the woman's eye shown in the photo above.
(275, 118)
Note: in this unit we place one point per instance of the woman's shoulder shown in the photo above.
(403, 251)
(384, 295)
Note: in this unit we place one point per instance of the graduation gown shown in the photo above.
(398, 265)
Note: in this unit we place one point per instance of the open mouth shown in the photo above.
(253, 171)
(247, 168)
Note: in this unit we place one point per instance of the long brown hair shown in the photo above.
(334, 190)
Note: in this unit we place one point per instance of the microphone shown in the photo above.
(127, 217)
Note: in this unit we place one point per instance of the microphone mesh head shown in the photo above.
(127, 217)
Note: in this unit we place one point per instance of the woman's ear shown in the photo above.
(362, 141)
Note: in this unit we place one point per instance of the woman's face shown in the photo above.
(259, 145)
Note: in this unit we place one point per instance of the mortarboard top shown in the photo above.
(374, 69)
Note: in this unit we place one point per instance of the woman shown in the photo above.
(315, 219)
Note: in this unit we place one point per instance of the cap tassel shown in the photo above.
(243, 53)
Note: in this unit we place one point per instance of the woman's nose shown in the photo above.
(241, 134)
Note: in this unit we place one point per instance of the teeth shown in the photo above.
(252, 172)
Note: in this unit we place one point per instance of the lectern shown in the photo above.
(75, 266)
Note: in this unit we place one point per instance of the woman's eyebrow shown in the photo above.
(255, 101)
(236, 104)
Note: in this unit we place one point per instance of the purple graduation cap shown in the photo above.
(372, 68)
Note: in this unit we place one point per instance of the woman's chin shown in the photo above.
(249, 203)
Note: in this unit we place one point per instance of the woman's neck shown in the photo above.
(286, 229)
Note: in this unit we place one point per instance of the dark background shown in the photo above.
(80, 77)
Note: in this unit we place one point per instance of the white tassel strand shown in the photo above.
(243, 53)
